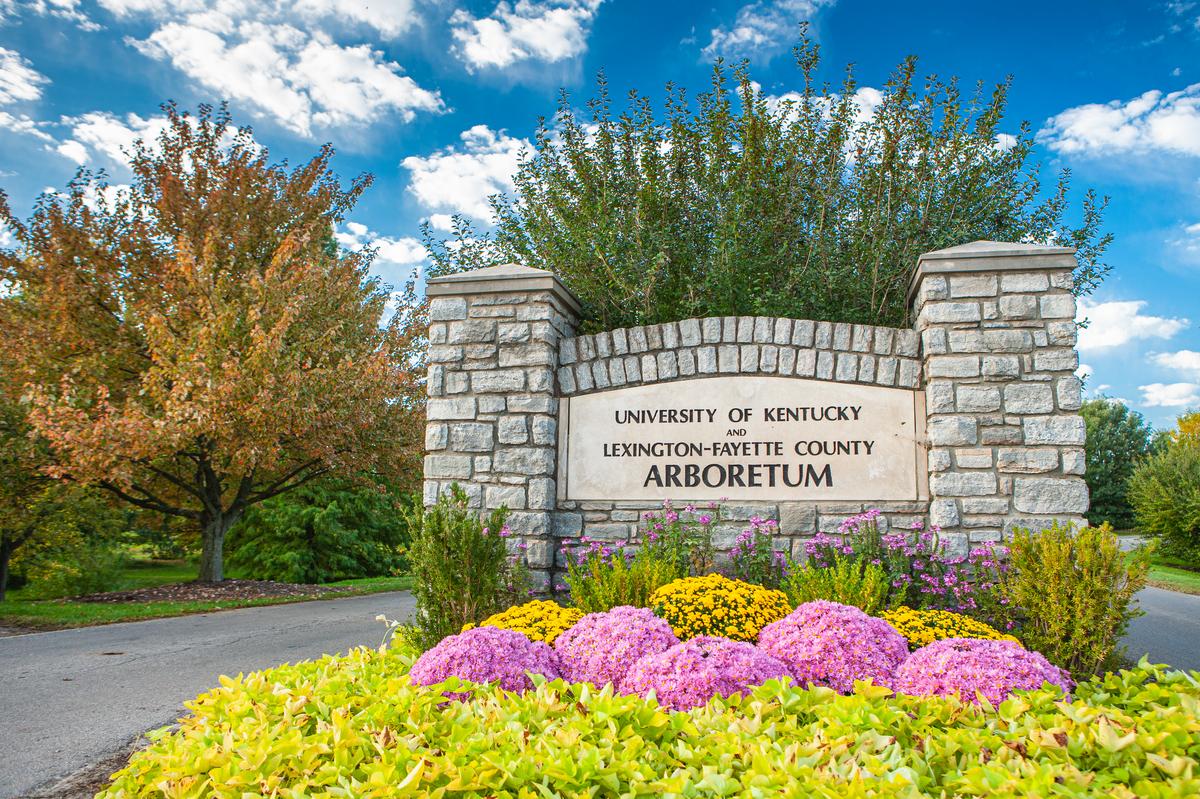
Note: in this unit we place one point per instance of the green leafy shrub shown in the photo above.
(601, 578)
(462, 569)
(77, 549)
(1074, 589)
(737, 203)
(324, 531)
(353, 725)
(683, 537)
(754, 558)
(1165, 492)
(846, 580)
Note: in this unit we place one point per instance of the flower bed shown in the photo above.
(715, 605)
(355, 725)
(923, 627)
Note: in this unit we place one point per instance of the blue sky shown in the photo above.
(436, 98)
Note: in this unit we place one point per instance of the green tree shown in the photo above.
(815, 204)
(1117, 438)
(193, 343)
(1165, 491)
(327, 530)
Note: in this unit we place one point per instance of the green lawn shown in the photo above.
(50, 614)
(1174, 578)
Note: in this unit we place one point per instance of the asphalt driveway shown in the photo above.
(69, 698)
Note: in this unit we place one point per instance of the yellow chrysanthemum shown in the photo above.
(539, 620)
(922, 627)
(716, 605)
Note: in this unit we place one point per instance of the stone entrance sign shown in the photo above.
(743, 438)
(967, 419)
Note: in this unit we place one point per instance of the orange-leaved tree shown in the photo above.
(196, 342)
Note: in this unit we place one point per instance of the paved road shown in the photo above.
(1170, 630)
(68, 698)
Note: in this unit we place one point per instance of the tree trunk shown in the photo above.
(212, 554)
(5, 553)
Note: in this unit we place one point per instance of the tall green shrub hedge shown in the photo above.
(1165, 492)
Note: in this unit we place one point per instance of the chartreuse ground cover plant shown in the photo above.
(355, 725)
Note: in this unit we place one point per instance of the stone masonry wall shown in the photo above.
(993, 348)
(998, 337)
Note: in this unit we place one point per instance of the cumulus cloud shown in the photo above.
(302, 79)
(402, 251)
(1170, 395)
(108, 135)
(1111, 324)
(19, 81)
(24, 125)
(528, 30)
(281, 59)
(61, 9)
(459, 179)
(764, 28)
(1185, 361)
(1151, 122)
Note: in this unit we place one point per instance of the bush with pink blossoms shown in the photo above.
(601, 647)
(825, 643)
(689, 674)
(964, 666)
(486, 655)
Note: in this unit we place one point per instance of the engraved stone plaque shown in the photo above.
(744, 437)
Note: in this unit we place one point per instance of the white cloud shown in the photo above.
(24, 125)
(402, 251)
(7, 239)
(1186, 242)
(460, 179)
(1170, 395)
(108, 135)
(1084, 371)
(19, 81)
(1186, 361)
(281, 60)
(763, 28)
(1153, 121)
(61, 9)
(528, 30)
(442, 222)
(1111, 324)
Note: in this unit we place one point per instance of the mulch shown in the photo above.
(216, 592)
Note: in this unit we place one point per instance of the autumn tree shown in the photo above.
(813, 203)
(195, 343)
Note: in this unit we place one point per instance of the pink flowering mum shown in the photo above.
(689, 674)
(825, 643)
(601, 647)
(486, 655)
(964, 666)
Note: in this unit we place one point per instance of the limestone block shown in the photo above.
(541, 493)
(963, 484)
(1057, 306)
(512, 430)
(1063, 360)
(973, 458)
(687, 362)
(949, 431)
(711, 330)
(1028, 398)
(943, 513)
(649, 368)
(783, 331)
(768, 358)
(948, 313)
(796, 517)
(1050, 495)
(471, 331)
(787, 361)
(544, 430)
(847, 367)
(443, 309)
(689, 332)
(471, 437)
(668, 365)
(454, 467)
(975, 399)
(436, 436)
(450, 408)
(823, 336)
(806, 363)
(498, 381)
(803, 333)
(727, 358)
(1027, 459)
(953, 366)
(496, 496)
(1018, 306)
(524, 460)
(972, 286)
(1060, 430)
(1023, 282)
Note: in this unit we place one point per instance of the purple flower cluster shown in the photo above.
(486, 655)
(964, 666)
(753, 557)
(601, 647)
(922, 574)
(590, 549)
(690, 674)
(825, 643)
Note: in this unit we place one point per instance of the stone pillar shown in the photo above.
(493, 400)
(997, 327)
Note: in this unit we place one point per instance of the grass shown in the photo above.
(1173, 578)
(55, 614)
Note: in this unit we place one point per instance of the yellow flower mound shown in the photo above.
(716, 605)
(539, 620)
(921, 627)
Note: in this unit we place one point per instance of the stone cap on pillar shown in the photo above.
(503, 279)
(990, 256)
